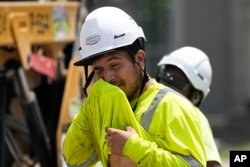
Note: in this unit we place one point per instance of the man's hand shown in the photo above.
(116, 138)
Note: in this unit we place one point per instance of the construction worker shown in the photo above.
(128, 119)
(188, 71)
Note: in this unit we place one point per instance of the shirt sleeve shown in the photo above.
(78, 149)
(212, 153)
(147, 154)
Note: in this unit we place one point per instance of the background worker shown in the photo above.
(165, 128)
(188, 71)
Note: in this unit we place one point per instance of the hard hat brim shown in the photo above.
(89, 60)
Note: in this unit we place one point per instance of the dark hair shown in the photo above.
(134, 47)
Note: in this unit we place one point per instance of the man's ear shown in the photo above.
(196, 97)
(140, 58)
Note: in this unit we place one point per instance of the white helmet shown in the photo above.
(104, 30)
(195, 64)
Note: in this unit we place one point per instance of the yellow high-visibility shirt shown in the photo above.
(211, 150)
(172, 137)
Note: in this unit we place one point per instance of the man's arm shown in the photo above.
(142, 152)
(212, 153)
(78, 148)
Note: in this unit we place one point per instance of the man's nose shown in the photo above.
(109, 75)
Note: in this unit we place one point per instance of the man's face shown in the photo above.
(118, 69)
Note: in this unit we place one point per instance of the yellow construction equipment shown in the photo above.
(33, 35)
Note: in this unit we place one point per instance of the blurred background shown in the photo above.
(220, 28)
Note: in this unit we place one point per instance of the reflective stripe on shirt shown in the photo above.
(192, 162)
(148, 115)
(86, 163)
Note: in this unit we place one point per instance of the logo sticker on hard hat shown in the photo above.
(93, 39)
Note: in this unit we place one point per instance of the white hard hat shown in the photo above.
(104, 30)
(195, 64)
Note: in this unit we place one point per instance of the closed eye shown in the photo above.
(98, 70)
(116, 65)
